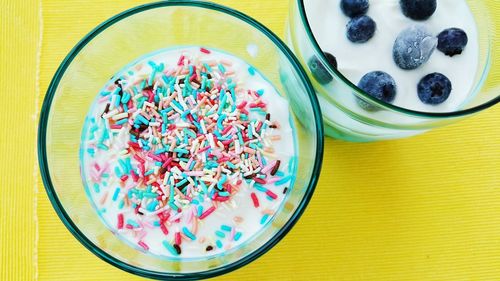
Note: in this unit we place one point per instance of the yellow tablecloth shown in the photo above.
(426, 208)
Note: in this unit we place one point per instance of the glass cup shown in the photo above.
(345, 120)
(126, 37)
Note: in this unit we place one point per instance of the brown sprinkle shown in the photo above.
(177, 249)
(275, 168)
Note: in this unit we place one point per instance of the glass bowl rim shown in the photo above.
(435, 115)
(70, 225)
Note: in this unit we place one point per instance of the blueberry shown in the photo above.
(452, 41)
(418, 9)
(379, 85)
(434, 88)
(361, 29)
(413, 47)
(353, 8)
(319, 71)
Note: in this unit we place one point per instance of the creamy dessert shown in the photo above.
(421, 55)
(188, 153)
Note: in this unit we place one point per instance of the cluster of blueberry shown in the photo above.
(412, 48)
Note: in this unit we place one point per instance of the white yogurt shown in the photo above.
(239, 213)
(328, 24)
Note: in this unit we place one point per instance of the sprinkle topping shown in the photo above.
(183, 140)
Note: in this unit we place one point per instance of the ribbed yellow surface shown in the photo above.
(19, 37)
(426, 208)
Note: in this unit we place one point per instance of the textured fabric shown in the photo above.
(426, 208)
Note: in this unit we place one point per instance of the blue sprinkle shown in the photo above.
(188, 233)
(221, 181)
(279, 173)
(218, 243)
(264, 219)
(222, 68)
(152, 206)
(133, 223)
(237, 236)
(220, 234)
(96, 188)
(225, 227)
(283, 180)
(260, 187)
(251, 70)
(115, 195)
(118, 172)
(121, 122)
(183, 181)
(172, 205)
(170, 248)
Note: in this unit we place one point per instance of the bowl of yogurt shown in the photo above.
(180, 139)
(393, 69)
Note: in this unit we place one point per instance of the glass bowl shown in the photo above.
(345, 120)
(119, 41)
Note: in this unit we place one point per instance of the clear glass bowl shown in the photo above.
(119, 41)
(344, 120)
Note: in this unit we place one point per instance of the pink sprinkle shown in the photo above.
(120, 221)
(181, 60)
(201, 150)
(192, 77)
(175, 217)
(164, 229)
(155, 157)
(143, 245)
(207, 212)
(114, 126)
(136, 157)
(255, 200)
(271, 194)
(259, 180)
(142, 235)
(174, 116)
(195, 173)
(226, 130)
(203, 50)
(233, 232)
(191, 215)
(259, 158)
(167, 162)
(242, 105)
(103, 99)
(178, 240)
(134, 176)
(268, 168)
(104, 168)
(272, 180)
(259, 126)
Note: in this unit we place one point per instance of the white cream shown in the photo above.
(240, 206)
(328, 24)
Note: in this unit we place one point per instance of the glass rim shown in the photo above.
(75, 231)
(436, 115)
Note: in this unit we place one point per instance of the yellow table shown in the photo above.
(426, 208)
